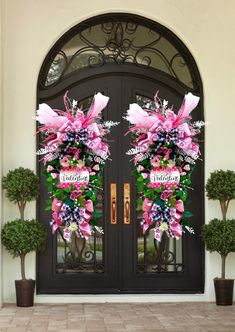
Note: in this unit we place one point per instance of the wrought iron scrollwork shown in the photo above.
(78, 255)
(118, 41)
(159, 257)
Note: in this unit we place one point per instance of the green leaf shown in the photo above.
(187, 214)
(97, 214)
(139, 204)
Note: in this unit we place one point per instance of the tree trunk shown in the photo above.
(21, 214)
(224, 208)
(22, 265)
(223, 257)
(21, 209)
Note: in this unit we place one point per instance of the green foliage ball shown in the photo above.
(221, 185)
(219, 235)
(21, 185)
(21, 237)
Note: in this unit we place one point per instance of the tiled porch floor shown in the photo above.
(159, 317)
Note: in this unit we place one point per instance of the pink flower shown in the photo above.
(65, 161)
(186, 167)
(50, 168)
(140, 168)
(54, 175)
(166, 152)
(74, 194)
(75, 152)
(166, 194)
(96, 167)
(145, 175)
(155, 162)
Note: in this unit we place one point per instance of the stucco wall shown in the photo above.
(1, 157)
(32, 27)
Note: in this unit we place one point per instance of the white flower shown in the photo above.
(170, 163)
(73, 227)
(163, 227)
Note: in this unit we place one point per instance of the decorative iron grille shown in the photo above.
(119, 40)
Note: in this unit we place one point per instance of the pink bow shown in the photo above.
(147, 222)
(56, 204)
(147, 205)
(56, 223)
(85, 229)
(89, 205)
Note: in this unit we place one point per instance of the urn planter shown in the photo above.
(224, 291)
(25, 292)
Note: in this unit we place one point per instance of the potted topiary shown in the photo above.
(219, 235)
(22, 236)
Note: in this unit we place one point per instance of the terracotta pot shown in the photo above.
(24, 292)
(224, 291)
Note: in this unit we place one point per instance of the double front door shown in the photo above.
(122, 260)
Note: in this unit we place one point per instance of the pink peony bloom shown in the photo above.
(166, 194)
(155, 162)
(166, 152)
(75, 152)
(65, 161)
(74, 194)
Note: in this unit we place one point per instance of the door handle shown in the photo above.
(127, 205)
(113, 203)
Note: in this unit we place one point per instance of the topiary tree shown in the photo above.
(20, 238)
(22, 186)
(221, 186)
(219, 235)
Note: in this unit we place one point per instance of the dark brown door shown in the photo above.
(122, 260)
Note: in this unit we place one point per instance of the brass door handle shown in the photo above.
(126, 197)
(113, 203)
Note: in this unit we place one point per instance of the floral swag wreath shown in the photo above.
(74, 156)
(165, 151)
